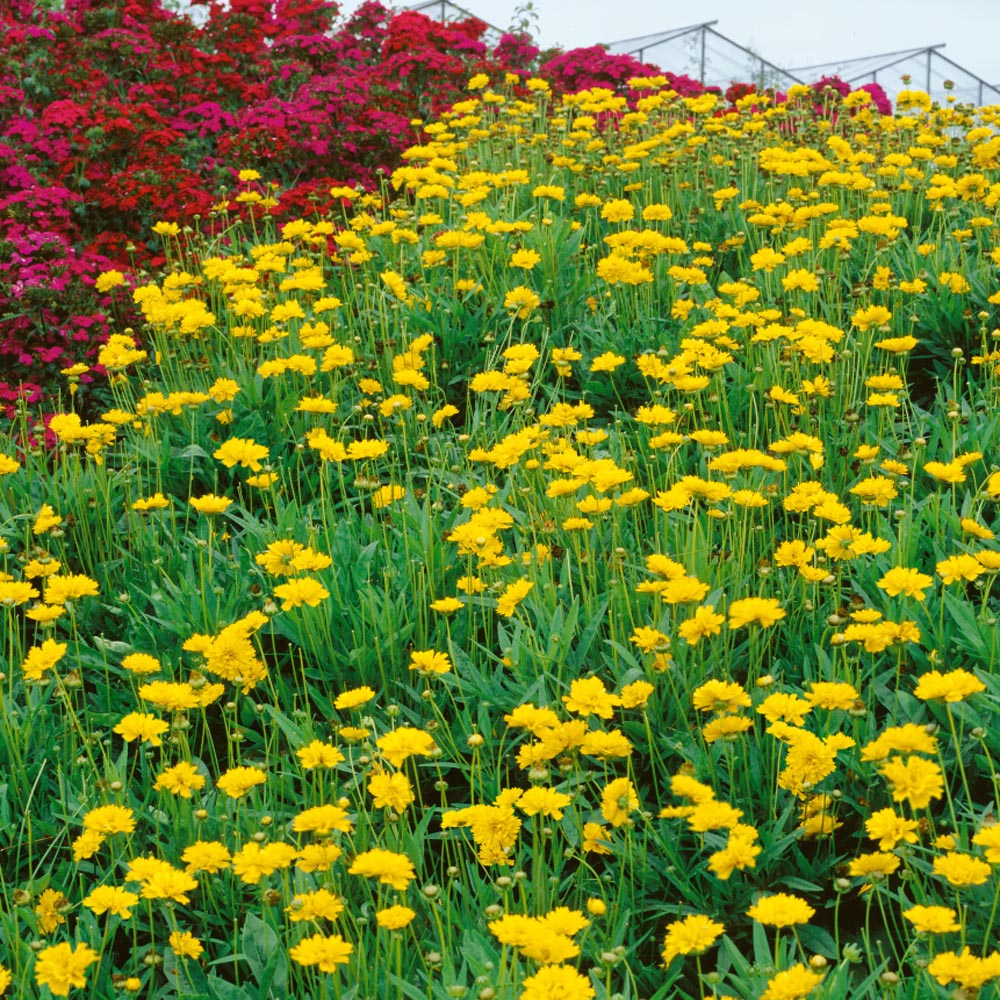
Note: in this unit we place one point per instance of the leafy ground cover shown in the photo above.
(566, 572)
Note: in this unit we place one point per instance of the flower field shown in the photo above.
(563, 570)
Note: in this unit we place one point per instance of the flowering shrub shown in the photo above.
(116, 115)
(585, 68)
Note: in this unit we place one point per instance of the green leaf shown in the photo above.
(968, 636)
(265, 956)
(190, 451)
(818, 940)
(222, 990)
(801, 884)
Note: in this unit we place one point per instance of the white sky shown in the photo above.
(787, 33)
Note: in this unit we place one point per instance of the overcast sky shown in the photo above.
(787, 33)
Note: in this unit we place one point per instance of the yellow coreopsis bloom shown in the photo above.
(956, 685)
(690, 935)
(781, 910)
(764, 611)
(63, 966)
(906, 581)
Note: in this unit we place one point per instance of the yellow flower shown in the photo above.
(764, 611)
(873, 866)
(970, 971)
(394, 918)
(784, 706)
(446, 605)
(155, 502)
(319, 754)
(522, 301)
(87, 845)
(400, 744)
(63, 966)
(897, 345)
(354, 698)
(141, 663)
(322, 819)
(49, 910)
(932, 919)
(440, 416)
(326, 953)
(649, 640)
(430, 661)
(358, 451)
(989, 839)
(960, 567)
(831, 695)
(396, 284)
(180, 780)
(906, 581)
(588, 696)
(390, 791)
(870, 316)
(111, 899)
(552, 981)
(318, 905)
(713, 815)
(303, 590)
(254, 862)
(45, 520)
(139, 726)
(720, 697)
(206, 856)
(42, 658)
(538, 800)
(237, 781)
(617, 210)
(740, 852)
(766, 259)
(792, 984)
(781, 910)
(618, 801)
(525, 259)
(390, 868)
(512, 596)
(595, 838)
(108, 820)
(727, 727)
(15, 592)
(962, 869)
(244, 452)
(185, 944)
(210, 504)
(914, 780)
(889, 829)
(606, 362)
(636, 694)
(72, 587)
(690, 935)
(956, 685)
(160, 880)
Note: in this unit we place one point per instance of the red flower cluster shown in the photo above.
(116, 114)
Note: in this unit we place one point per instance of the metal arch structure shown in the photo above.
(445, 11)
(704, 35)
(637, 46)
(926, 64)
